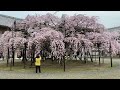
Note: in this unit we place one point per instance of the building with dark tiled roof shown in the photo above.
(6, 22)
(114, 29)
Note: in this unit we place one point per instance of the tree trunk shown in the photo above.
(8, 57)
(25, 58)
(81, 56)
(3, 58)
(84, 55)
(99, 55)
(119, 54)
(111, 61)
(64, 64)
(33, 54)
(103, 59)
(90, 56)
(76, 56)
(22, 54)
(103, 55)
(110, 55)
(52, 59)
(13, 58)
(13, 54)
(31, 58)
(61, 62)
(11, 62)
(95, 55)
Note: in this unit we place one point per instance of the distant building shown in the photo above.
(6, 22)
(114, 29)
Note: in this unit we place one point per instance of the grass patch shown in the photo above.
(51, 67)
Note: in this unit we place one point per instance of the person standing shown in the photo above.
(38, 63)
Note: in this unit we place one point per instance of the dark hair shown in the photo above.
(37, 56)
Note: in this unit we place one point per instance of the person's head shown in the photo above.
(37, 56)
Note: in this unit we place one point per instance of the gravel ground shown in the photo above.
(106, 73)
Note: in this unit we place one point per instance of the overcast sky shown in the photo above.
(108, 18)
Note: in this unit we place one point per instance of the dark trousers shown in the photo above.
(38, 68)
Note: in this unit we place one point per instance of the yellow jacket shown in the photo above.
(38, 61)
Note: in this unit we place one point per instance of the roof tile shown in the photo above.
(7, 20)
